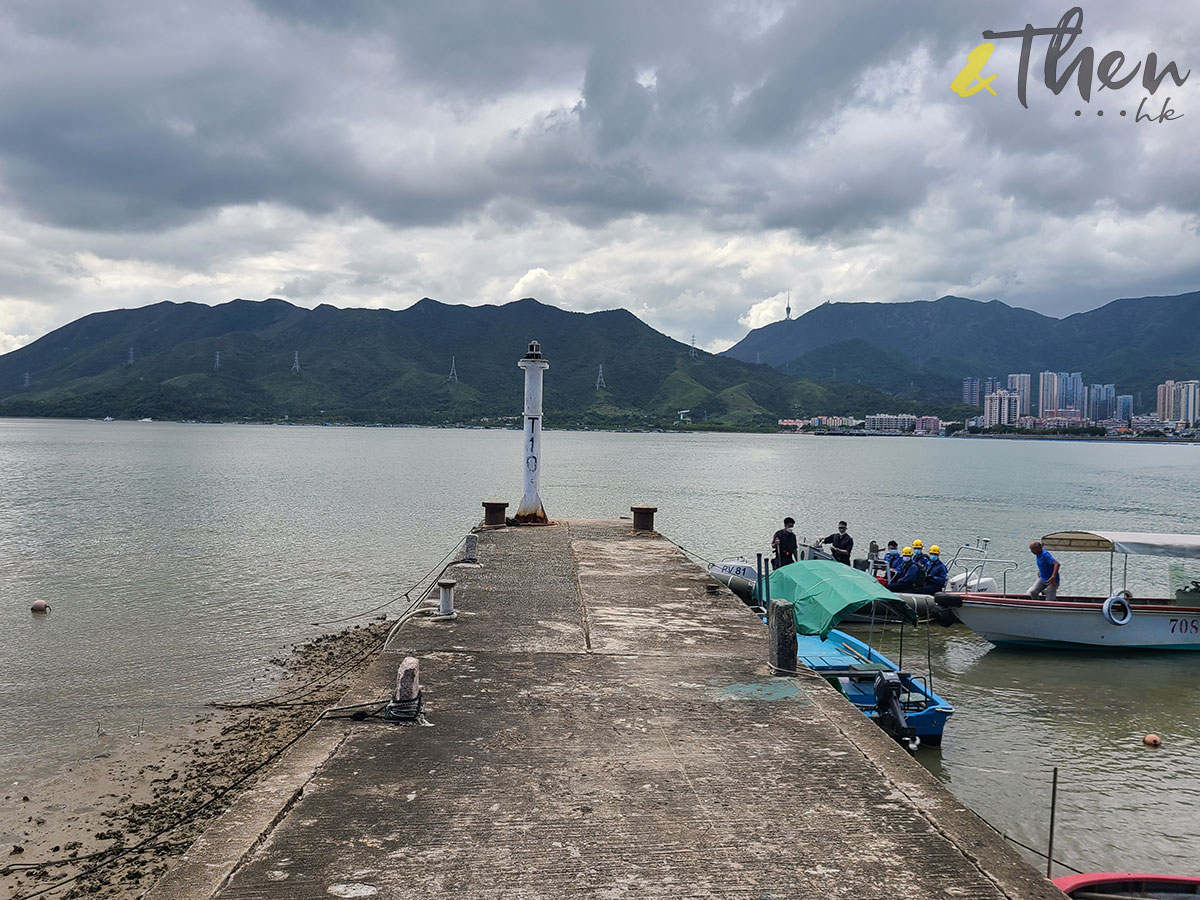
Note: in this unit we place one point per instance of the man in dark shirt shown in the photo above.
(840, 544)
(784, 544)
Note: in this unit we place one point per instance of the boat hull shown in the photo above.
(1128, 884)
(1075, 623)
(852, 664)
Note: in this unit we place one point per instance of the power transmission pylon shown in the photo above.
(217, 362)
(693, 352)
(296, 362)
(131, 356)
(453, 370)
(600, 378)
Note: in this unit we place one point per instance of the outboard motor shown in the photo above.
(888, 689)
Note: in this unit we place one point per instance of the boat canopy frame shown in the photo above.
(1127, 543)
(1137, 543)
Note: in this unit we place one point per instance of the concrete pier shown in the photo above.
(599, 725)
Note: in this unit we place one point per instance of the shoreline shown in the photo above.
(712, 429)
(113, 823)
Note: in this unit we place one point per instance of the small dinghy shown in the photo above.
(822, 594)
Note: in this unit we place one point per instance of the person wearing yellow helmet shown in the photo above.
(919, 556)
(936, 573)
(910, 576)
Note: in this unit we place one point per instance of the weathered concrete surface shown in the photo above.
(599, 726)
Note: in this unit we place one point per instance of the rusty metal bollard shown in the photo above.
(643, 517)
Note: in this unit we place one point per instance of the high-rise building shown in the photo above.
(1001, 408)
(991, 384)
(1187, 402)
(1048, 394)
(1166, 401)
(1125, 407)
(1070, 391)
(1019, 384)
(970, 393)
(1101, 402)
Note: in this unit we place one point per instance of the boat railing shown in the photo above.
(973, 561)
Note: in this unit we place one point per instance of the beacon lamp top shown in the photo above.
(535, 351)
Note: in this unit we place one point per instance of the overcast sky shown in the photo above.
(689, 161)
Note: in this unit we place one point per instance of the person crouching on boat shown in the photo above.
(784, 544)
(1046, 586)
(935, 574)
(919, 557)
(910, 577)
(893, 559)
(840, 544)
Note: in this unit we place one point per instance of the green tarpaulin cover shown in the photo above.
(823, 592)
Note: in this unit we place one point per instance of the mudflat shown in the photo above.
(112, 823)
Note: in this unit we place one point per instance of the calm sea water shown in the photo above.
(179, 558)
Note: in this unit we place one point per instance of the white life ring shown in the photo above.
(1126, 614)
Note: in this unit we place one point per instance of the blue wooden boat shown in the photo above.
(899, 702)
(821, 594)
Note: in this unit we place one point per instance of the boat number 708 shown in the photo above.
(1185, 626)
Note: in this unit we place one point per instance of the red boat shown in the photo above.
(1128, 886)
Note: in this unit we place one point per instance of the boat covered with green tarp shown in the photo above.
(823, 593)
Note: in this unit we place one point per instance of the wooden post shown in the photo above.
(781, 627)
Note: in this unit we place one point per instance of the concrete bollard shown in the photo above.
(471, 549)
(493, 512)
(781, 628)
(643, 517)
(446, 596)
(408, 681)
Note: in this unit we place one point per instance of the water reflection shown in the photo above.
(1020, 713)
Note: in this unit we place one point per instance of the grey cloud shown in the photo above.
(124, 121)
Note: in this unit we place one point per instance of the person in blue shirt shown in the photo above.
(892, 558)
(935, 574)
(911, 576)
(1046, 586)
(919, 557)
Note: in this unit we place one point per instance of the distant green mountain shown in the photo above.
(374, 365)
(924, 349)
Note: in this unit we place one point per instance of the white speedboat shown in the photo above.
(1118, 621)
